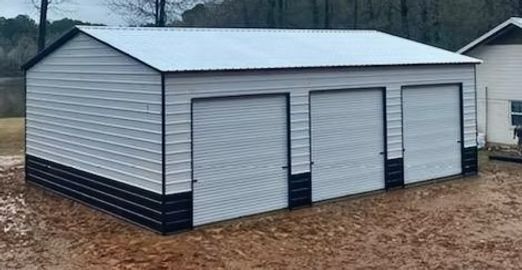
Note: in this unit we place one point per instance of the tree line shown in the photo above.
(448, 24)
(444, 23)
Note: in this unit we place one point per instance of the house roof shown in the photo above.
(215, 49)
(514, 21)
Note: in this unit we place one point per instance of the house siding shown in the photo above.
(181, 88)
(500, 75)
(96, 110)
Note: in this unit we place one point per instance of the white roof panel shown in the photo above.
(206, 49)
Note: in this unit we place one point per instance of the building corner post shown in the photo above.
(163, 156)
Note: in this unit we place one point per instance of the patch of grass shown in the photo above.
(11, 97)
(11, 136)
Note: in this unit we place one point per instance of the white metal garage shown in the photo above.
(432, 132)
(347, 142)
(226, 123)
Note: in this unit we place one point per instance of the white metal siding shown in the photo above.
(97, 110)
(500, 74)
(240, 149)
(181, 88)
(432, 132)
(347, 143)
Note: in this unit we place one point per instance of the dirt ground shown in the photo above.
(473, 223)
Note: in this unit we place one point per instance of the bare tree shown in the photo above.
(157, 12)
(43, 7)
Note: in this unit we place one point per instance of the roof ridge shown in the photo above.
(226, 29)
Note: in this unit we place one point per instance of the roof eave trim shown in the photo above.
(486, 36)
(477, 62)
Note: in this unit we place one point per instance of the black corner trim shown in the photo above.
(470, 161)
(163, 151)
(160, 213)
(178, 212)
(300, 190)
(394, 173)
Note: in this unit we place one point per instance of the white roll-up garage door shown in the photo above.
(347, 142)
(239, 157)
(432, 132)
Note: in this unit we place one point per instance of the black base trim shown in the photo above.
(394, 173)
(470, 161)
(125, 201)
(300, 190)
(178, 212)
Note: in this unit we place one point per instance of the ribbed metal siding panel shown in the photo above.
(347, 143)
(500, 74)
(240, 149)
(96, 110)
(432, 132)
(182, 87)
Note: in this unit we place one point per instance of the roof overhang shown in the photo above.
(512, 22)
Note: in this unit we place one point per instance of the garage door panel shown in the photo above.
(432, 132)
(240, 149)
(347, 139)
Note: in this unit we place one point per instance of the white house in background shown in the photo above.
(499, 80)
(173, 128)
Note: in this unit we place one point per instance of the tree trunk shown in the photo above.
(42, 29)
(271, 21)
(404, 18)
(371, 14)
(355, 14)
(156, 13)
(280, 13)
(315, 13)
(519, 11)
(161, 16)
(436, 23)
(244, 10)
(424, 20)
(326, 13)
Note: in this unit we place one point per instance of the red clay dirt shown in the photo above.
(472, 223)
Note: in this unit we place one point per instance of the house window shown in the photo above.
(516, 113)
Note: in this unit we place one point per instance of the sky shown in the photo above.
(94, 11)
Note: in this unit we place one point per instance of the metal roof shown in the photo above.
(513, 21)
(214, 49)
